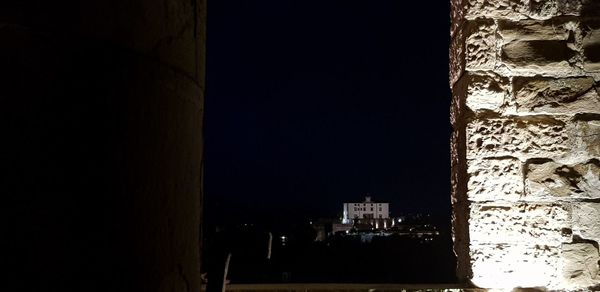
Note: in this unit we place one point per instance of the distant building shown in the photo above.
(365, 210)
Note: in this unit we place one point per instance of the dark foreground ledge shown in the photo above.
(305, 287)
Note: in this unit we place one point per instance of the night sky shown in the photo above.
(310, 104)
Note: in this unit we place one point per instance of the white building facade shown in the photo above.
(365, 210)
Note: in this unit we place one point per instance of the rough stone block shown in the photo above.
(523, 137)
(473, 48)
(591, 35)
(486, 92)
(580, 265)
(497, 223)
(552, 95)
(510, 266)
(514, 9)
(481, 45)
(585, 136)
(551, 179)
(541, 9)
(495, 179)
(591, 45)
(535, 54)
(553, 29)
(457, 57)
(531, 44)
(479, 92)
(586, 220)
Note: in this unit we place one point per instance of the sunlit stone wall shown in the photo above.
(526, 145)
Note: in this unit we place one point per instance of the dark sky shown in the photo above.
(310, 104)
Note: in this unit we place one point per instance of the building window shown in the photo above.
(379, 209)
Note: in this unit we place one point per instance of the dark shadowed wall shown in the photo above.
(101, 106)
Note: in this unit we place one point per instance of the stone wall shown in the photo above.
(102, 105)
(525, 77)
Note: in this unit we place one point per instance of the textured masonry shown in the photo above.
(525, 77)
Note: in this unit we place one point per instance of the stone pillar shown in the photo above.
(526, 146)
(526, 143)
(102, 105)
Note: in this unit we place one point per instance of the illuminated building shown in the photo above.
(365, 210)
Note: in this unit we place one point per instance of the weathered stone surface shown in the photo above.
(535, 136)
(524, 77)
(479, 92)
(495, 179)
(513, 9)
(457, 104)
(502, 223)
(591, 35)
(525, 30)
(556, 95)
(541, 9)
(520, 265)
(458, 171)
(591, 45)
(486, 92)
(460, 204)
(535, 54)
(481, 45)
(457, 57)
(531, 44)
(580, 265)
(460, 235)
(457, 14)
(551, 179)
(586, 220)
(473, 48)
(523, 137)
(585, 136)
